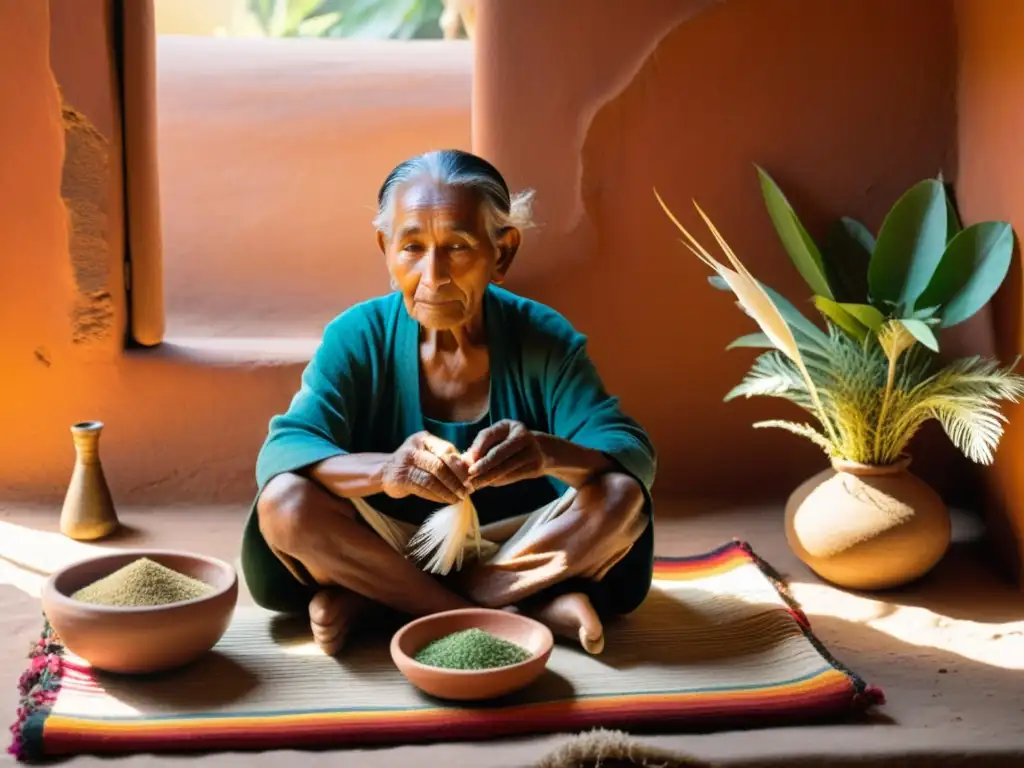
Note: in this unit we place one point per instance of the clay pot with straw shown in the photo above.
(873, 377)
(88, 512)
(867, 527)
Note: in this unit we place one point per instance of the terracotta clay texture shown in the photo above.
(685, 96)
(141, 640)
(866, 527)
(990, 121)
(605, 128)
(468, 685)
(343, 114)
(141, 185)
(88, 512)
(648, 93)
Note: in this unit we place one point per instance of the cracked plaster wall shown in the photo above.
(81, 35)
(181, 425)
(682, 94)
(687, 96)
(85, 189)
(178, 428)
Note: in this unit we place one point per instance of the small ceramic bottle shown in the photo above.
(88, 511)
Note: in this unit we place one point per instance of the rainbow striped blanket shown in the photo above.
(719, 643)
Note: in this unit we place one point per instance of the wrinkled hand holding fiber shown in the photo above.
(447, 539)
(447, 536)
(539, 549)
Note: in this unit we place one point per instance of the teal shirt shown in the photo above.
(361, 393)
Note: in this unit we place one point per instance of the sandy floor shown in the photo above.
(949, 653)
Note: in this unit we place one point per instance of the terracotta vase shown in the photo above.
(867, 527)
(88, 511)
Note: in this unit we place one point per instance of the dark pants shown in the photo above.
(274, 587)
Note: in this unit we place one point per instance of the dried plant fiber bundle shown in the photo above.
(448, 539)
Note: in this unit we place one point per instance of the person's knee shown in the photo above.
(621, 500)
(617, 495)
(283, 510)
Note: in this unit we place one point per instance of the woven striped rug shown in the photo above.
(718, 644)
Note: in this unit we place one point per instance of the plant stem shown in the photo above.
(818, 405)
(824, 420)
(890, 379)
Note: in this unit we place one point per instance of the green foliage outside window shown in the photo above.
(365, 19)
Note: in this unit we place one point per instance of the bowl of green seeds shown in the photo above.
(472, 654)
(141, 611)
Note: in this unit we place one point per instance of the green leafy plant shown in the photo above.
(877, 394)
(869, 393)
(292, 18)
(393, 19)
(924, 270)
(379, 19)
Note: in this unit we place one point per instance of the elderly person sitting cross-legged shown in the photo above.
(451, 387)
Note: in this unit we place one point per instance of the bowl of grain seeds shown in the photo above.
(142, 611)
(472, 653)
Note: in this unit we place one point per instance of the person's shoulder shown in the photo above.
(536, 323)
(364, 323)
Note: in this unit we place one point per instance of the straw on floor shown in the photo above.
(719, 643)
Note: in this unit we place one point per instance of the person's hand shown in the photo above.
(428, 467)
(504, 453)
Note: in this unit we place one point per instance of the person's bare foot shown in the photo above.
(572, 616)
(331, 614)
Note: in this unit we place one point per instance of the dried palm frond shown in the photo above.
(749, 293)
(963, 397)
(444, 538)
(803, 430)
(773, 375)
(395, 533)
(871, 394)
(878, 406)
(755, 301)
(895, 339)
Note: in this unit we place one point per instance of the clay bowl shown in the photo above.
(141, 640)
(470, 685)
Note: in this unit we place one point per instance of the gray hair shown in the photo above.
(452, 166)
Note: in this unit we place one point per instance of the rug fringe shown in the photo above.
(864, 696)
(592, 749)
(873, 696)
(37, 690)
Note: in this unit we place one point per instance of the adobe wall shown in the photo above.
(682, 95)
(990, 186)
(846, 104)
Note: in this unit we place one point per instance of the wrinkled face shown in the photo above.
(440, 254)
